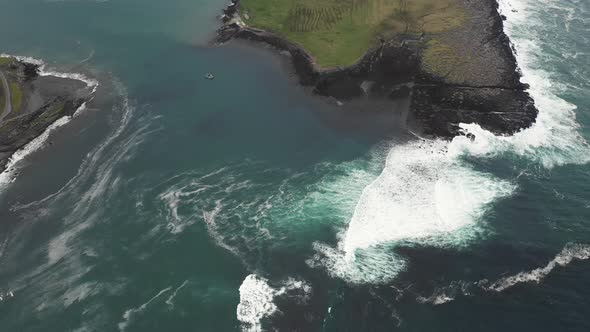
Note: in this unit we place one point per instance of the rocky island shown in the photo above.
(30, 103)
(446, 61)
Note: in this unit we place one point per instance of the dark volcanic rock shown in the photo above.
(30, 70)
(502, 111)
(486, 89)
(45, 99)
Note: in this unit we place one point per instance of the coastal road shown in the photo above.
(7, 103)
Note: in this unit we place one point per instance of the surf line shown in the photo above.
(428, 195)
(10, 173)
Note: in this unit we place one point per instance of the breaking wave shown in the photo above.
(11, 172)
(256, 302)
(420, 194)
(428, 192)
(9, 175)
(243, 209)
(44, 70)
(424, 196)
(554, 139)
(257, 299)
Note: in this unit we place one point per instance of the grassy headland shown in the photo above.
(35, 103)
(16, 93)
(339, 32)
(16, 96)
(5, 60)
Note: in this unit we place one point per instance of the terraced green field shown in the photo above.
(16, 93)
(16, 96)
(338, 33)
(5, 60)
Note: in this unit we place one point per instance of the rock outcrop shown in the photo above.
(43, 100)
(467, 75)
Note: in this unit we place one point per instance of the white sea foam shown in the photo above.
(300, 290)
(421, 193)
(210, 222)
(58, 247)
(170, 300)
(377, 264)
(45, 71)
(424, 195)
(428, 194)
(257, 296)
(79, 293)
(91, 163)
(554, 139)
(256, 302)
(436, 299)
(176, 223)
(130, 313)
(93, 184)
(9, 175)
(566, 256)
(102, 186)
(61, 279)
(445, 294)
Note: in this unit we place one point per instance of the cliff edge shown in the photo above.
(456, 67)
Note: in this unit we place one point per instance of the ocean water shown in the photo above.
(171, 202)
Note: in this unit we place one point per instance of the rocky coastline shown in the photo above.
(42, 100)
(482, 87)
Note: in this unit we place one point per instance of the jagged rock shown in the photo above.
(484, 90)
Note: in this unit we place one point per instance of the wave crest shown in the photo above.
(257, 296)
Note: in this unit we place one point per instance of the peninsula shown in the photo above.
(30, 103)
(448, 60)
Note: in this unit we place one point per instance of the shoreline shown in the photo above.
(49, 100)
(394, 71)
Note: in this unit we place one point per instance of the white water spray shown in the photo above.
(427, 194)
(9, 175)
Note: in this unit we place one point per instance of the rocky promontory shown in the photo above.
(464, 74)
(30, 103)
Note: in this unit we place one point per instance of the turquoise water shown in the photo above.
(177, 203)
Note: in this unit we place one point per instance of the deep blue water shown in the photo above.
(182, 204)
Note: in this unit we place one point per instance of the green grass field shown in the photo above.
(338, 33)
(16, 93)
(1, 102)
(5, 60)
(16, 96)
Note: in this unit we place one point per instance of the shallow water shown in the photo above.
(174, 202)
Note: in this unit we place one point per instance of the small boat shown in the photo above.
(209, 76)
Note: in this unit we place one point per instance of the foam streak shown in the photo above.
(563, 258)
